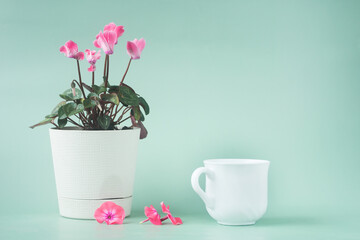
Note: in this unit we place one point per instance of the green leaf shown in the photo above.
(61, 113)
(79, 108)
(54, 112)
(142, 118)
(98, 89)
(93, 96)
(69, 108)
(136, 113)
(62, 122)
(68, 94)
(104, 121)
(110, 98)
(43, 122)
(127, 96)
(89, 103)
(113, 89)
(51, 115)
(56, 109)
(144, 105)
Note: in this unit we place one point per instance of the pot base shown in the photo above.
(85, 208)
(236, 224)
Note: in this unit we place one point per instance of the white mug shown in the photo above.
(236, 189)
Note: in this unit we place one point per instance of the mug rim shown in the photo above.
(235, 161)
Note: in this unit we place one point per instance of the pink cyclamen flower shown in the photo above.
(92, 57)
(110, 213)
(70, 49)
(106, 40)
(135, 47)
(174, 220)
(119, 30)
(152, 215)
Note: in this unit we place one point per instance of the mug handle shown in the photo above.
(195, 185)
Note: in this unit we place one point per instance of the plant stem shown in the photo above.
(164, 218)
(112, 114)
(118, 110)
(79, 117)
(83, 118)
(124, 119)
(105, 67)
(107, 71)
(93, 78)
(73, 122)
(161, 219)
(123, 113)
(122, 80)
(77, 83)
(112, 109)
(106, 77)
(144, 221)
(81, 87)
(55, 124)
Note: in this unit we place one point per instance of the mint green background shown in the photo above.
(276, 80)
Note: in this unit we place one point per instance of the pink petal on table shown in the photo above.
(174, 220)
(152, 215)
(164, 208)
(110, 213)
(99, 215)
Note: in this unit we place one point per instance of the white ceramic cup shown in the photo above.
(236, 189)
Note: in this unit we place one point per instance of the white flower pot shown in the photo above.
(92, 167)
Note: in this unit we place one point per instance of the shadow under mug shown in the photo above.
(236, 189)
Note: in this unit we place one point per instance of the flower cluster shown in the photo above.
(154, 217)
(105, 105)
(111, 213)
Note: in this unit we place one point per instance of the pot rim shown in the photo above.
(77, 129)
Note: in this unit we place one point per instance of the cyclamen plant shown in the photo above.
(105, 106)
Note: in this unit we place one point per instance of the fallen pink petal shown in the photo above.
(174, 220)
(152, 215)
(110, 213)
